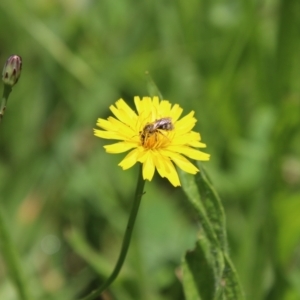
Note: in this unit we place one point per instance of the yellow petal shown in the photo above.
(196, 144)
(184, 139)
(186, 124)
(122, 105)
(167, 169)
(148, 167)
(124, 129)
(108, 135)
(144, 108)
(155, 102)
(123, 112)
(164, 109)
(138, 105)
(173, 175)
(182, 162)
(146, 105)
(120, 114)
(129, 160)
(190, 152)
(175, 112)
(119, 147)
(104, 124)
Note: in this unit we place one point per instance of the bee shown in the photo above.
(156, 127)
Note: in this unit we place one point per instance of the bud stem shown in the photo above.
(6, 92)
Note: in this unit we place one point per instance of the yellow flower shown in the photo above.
(155, 135)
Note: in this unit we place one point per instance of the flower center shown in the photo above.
(154, 140)
(155, 134)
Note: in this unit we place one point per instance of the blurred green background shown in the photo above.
(235, 62)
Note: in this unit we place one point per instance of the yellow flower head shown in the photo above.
(155, 136)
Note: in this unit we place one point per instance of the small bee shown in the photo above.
(155, 127)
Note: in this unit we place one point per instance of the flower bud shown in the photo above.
(12, 70)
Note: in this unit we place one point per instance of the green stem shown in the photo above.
(126, 241)
(11, 258)
(7, 247)
(6, 92)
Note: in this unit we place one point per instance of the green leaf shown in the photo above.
(195, 264)
(208, 272)
(191, 190)
(213, 205)
(232, 287)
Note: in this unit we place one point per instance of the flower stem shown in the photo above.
(6, 92)
(126, 241)
(11, 259)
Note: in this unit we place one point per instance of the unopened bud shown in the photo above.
(12, 70)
